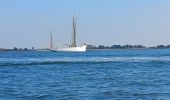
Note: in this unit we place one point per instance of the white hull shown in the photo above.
(71, 49)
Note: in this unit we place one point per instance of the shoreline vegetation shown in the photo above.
(100, 47)
(127, 47)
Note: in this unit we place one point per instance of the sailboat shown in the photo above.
(73, 46)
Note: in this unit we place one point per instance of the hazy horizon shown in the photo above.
(26, 23)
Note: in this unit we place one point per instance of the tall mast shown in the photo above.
(74, 33)
(51, 40)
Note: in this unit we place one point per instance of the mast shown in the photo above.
(73, 44)
(51, 40)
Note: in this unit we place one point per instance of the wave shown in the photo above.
(80, 60)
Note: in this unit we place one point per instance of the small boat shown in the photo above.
(73, 47)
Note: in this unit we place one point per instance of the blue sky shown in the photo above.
(26, 23)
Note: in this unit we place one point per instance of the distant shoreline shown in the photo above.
(5, 50)
(100, 47)
(129, 49)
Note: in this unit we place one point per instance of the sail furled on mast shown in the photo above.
(73, 44)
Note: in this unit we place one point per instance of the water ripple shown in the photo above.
(80, 60)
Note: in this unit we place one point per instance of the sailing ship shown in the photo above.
(73, 46)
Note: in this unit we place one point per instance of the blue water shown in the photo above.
(142, 74)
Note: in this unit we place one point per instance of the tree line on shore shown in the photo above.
(17, 49)
(125, 47)
(99, 47)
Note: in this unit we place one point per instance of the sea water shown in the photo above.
(134, 74)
